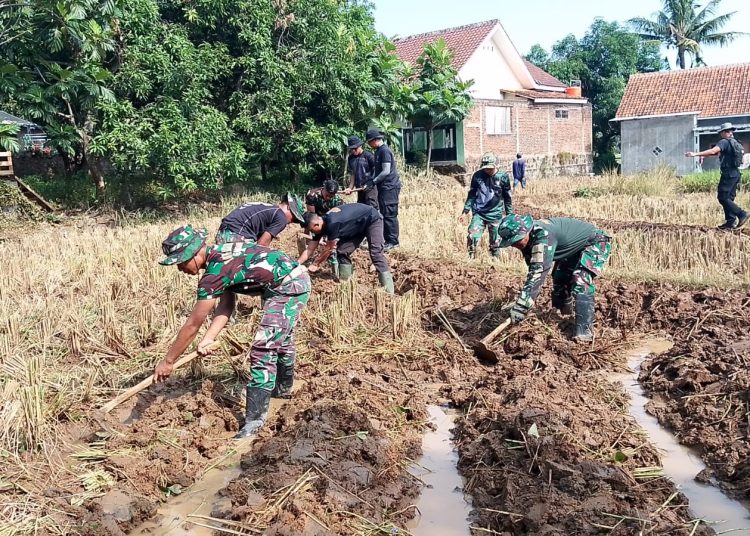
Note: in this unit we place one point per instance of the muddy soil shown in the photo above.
(542, 443)
(538, 445)
(701, 391)
(155, 446)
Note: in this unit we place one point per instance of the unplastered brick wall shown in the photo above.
(551, 143)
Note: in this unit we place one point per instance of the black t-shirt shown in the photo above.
(726, 157)
(361, 166)
(251, 220)
(349, 221)
(384, 155)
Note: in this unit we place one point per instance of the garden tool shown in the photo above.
(482, 350)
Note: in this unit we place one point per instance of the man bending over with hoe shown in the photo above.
(241, 268)
(574, 250)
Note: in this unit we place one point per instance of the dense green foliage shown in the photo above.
(192, 95)
(603, 60)
(686, 26)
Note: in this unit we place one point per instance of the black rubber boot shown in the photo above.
(284, 381)
(256, 411)
(584, 318)
(562, 300)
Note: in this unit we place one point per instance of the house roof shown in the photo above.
(557, 95)
(709, 91)
(7, 118)
(542, 77)
(461, 40)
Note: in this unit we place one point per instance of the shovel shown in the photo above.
(482, 350)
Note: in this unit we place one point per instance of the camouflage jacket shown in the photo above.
(552, 240)
(243, 268)
(489, 193)
(315, 199)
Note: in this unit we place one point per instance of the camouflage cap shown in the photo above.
(183, 244)
(513, 228)
(489, 161)
(296, 207)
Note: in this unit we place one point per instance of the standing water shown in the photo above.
(442, 508)
(680, 463)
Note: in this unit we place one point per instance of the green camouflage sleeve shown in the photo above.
(337, 201)
(540, 261)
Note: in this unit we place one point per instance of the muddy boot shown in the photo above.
(284, 381)
(335, 270)
(346, 271)
(584, 318)
(256, 411)
(562, 301)
(386, 281)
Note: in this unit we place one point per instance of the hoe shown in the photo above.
(482, 350)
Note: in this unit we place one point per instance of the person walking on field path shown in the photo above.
(519, 172)
(319, 201)
(730, 153)
(388, 182)
(575, 251)
(241, 268)
(260, 222)
(488, 200)
(345, 228)
(361, 165)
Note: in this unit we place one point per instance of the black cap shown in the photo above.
(331, 186)
(353, 142)
(374, 134)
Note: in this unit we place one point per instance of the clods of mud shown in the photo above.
(681, 464)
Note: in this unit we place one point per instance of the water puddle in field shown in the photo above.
(188, 514)
(681, 464)
(443, 510)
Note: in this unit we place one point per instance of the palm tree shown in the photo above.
(686, 26)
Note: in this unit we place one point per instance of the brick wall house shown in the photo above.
(517, 107)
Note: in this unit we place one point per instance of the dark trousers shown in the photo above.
(369, 198)
(727, 192)
(388, 200)
(374, 235)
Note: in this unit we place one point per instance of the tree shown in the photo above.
(686, 27)
(53, 67)
(603, 60)
(440, 96)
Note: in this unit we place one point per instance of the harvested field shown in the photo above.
(545, 440)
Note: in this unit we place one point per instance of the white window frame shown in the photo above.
(498, 120)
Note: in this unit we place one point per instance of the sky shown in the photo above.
(545, 21)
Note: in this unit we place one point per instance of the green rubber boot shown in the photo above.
(256, 411)
(584, 318)
(346, 271)
(386, 281)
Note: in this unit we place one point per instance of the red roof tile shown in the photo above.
(462, 40)
(542, 77)
(712, 91)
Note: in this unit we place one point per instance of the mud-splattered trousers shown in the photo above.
(573, 275)
(489, 200)
(274, 339)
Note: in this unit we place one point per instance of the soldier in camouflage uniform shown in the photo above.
(576, 252)
(489, 196)
(319, 201)
(241, 268)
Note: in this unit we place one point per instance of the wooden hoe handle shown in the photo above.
(122, 397)
(495, 332)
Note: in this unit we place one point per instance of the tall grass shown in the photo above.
(707, 181)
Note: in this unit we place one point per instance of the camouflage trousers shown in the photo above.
(575, 275)
(226, 236)
(274, 339)
(479, 222)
